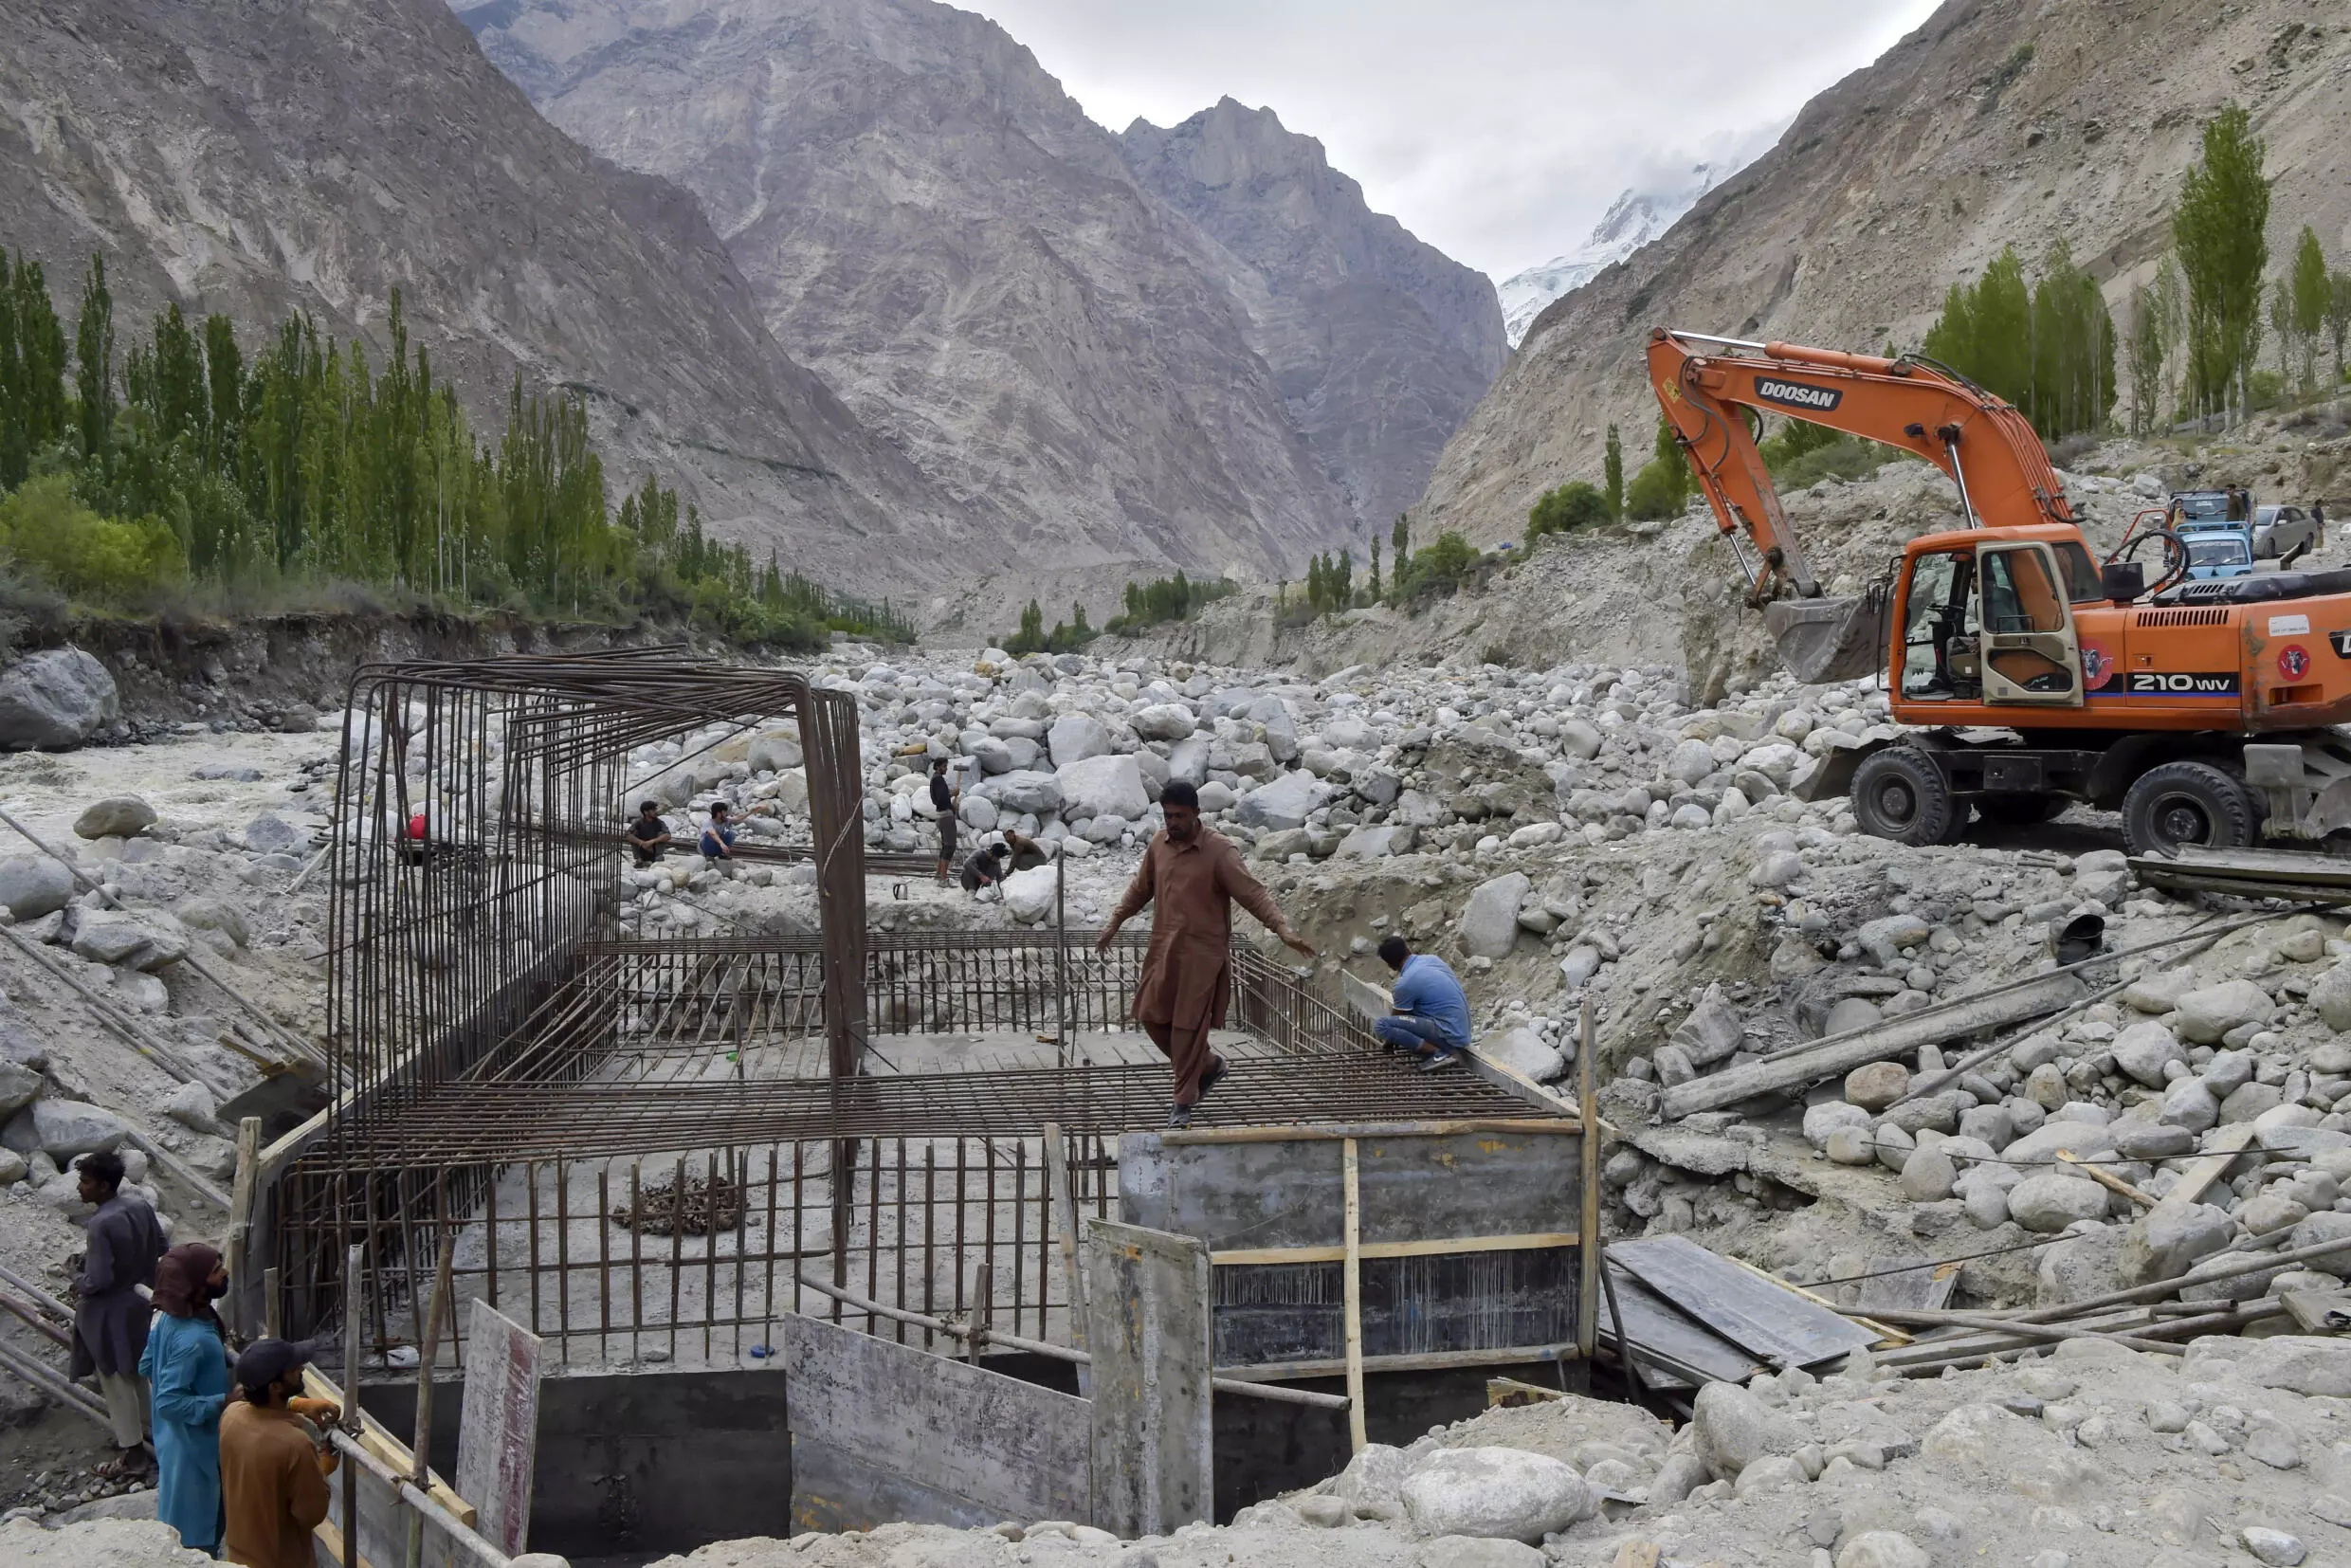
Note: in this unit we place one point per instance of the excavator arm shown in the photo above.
(1988, 448)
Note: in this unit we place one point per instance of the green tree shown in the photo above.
(2218, 228)
(1574, 504)
(1986, 332)
(2339, 316)
(94, 361)
(2310, 294)
(1401, 537)
(1374, 584)
(1613, 474)
(2153, 331)
(2073, 381)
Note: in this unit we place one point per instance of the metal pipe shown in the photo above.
(408, 1492)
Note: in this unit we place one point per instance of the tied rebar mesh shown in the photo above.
(515, 1067)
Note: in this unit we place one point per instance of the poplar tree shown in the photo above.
(2308, 292)
(2218, 228)
(1613, 475)
(94, 361)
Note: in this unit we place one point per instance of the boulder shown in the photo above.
(116, 816)
(1884, 938)
(775, 751)
(54, 700)
(1712, 1031)
(1372, 1483)
(1503, 1493)
(1286, 802)
(1929, 1176)
(1477, 1552)
(203, 914)
(35, 885)
(18, 1086)
(1692, 761)
(1876, 1086)
(2209, 1012)
(2144, 1049)
(979, 813)
(2166, 1242)
(1522, 1051)
(65, 1128)
(1187, 761)
(1826, 1117)
(1732, 1429)
(1023, 790)
(2052, 1200)
(1374, 843)
(2331, 997)
(2303, 1364)
(1075, 737)
(1162, 722)
(1883, 1549)
(271, 834)
(1490, 925)
(1102, 786)
(1579, 739)
(2190, 1104)
(193, 1107)
(1851, 1013)
(118, 937)
(2161, 992)
(1028, 895)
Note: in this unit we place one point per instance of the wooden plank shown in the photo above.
(2223, 1146)
(1764, 1316)
(1434, 1248)
(1564, 1126)
(241, 1192)
(1507, 1392)
(2107, 1179)
(1839, 1054)
(498, 1427)
(1354, 1295)
(1434, 1361)
(1065, 1226)
(1152, 1451)
(390, 1449)
(1588, 1226)
(1907, 1282)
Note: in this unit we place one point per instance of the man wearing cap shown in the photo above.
(273, 1477)
(1193, 877)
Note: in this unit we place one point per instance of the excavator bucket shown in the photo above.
(1827, 639)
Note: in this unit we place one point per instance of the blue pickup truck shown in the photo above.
(2225, 552)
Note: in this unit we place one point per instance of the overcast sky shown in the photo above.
(1496, 130)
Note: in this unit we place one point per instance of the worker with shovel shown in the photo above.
(1194, 877)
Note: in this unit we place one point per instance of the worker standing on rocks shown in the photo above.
(110, 1316)
(186, 1365)
(1194, 877)
(945, 800)
(1431, 1017)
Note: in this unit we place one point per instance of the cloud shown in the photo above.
(1496, 130)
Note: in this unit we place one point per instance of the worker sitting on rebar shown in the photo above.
(718, 839)
(1431, 1017)
(648, 836)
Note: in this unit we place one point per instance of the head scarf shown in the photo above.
(183, 1282)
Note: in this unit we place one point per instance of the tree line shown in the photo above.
(195, 463)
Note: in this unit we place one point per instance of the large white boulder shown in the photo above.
(1286, 802)
(67, 1127)
(2145, 1049)
(1490, 925)
(116, 816)
(2209, 1012)
(1162, 722)
(1733, 1429)
(1023, 790)
(1523, 1051)
(2052, 1200)
(1102, 786)
(1505, 1493)
(116, 936)
(1076, 736)
(1028, 895)
(55, 699)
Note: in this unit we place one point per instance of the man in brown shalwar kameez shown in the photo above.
(1194, 877)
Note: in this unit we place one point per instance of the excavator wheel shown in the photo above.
(1898, 793)
(2185, 806)
(2020, 810)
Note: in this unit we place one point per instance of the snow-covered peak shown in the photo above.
(1632, 220)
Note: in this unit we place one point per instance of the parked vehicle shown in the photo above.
(2203, 509)
(2219, 552)
(2278, 531)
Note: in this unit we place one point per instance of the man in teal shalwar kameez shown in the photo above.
(186, 1365)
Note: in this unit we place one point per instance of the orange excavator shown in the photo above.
(2027, 674)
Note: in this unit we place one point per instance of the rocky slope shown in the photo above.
(1222, 365)
(1381, 345)
(339, 150)
(1998, 121)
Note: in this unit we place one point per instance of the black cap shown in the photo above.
(265, 1361)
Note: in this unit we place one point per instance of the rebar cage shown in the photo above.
(638, 1145)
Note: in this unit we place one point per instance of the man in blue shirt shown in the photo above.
(1431, 1017)
(717, 840)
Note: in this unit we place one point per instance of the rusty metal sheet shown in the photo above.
(1768, 1320)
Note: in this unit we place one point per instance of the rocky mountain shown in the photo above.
(257, 159)
(1380, 343)
(1223, 362)
(1997, 123)
(1634, 219)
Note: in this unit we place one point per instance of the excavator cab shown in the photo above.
(1987, 621)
